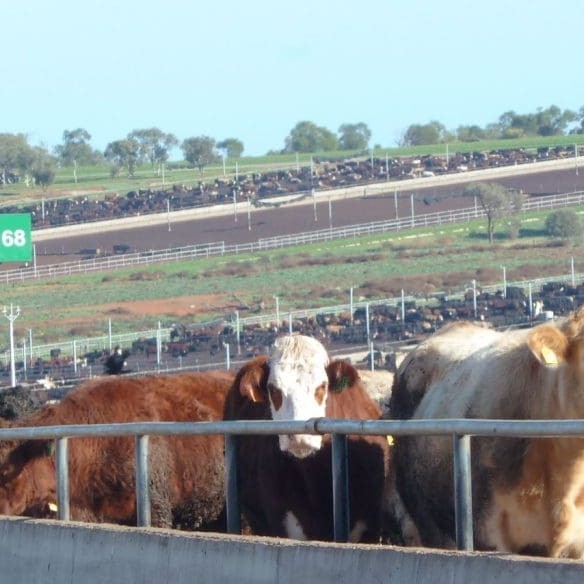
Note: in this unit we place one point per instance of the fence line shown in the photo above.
(163, 334)
(461, 431)
(264, 244)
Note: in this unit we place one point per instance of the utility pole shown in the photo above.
(11, 316)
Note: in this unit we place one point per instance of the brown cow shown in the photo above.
(527, 492)
(186, 473)
(285, 481)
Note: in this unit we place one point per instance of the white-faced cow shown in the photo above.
(528, 493)
(285, 481)
(186, 472)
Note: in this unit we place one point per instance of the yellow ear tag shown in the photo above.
(53, 507)
(549, 357)
(389, 440)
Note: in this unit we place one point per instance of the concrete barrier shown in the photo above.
(52, 552)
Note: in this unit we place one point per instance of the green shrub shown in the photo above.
(563, 223)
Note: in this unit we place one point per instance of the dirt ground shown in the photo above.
(295, 219)
(179, 306)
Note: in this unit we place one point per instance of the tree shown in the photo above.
(564, 223)
(308, 137)
(419, 134)
(44, 176)
(199, 151)
(15, 155)
(580, 119)
(154, 144)
(75, 149)
(43, 168)
(470, 133)
(354, 136)
(496, 201)
(232, 147)
(123, 153)
(551, 121)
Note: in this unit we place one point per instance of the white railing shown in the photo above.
(263, 244)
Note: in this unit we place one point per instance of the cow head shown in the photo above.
(560, 351)
(294, 383)
(27, 480)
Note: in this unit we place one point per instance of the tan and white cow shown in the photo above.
(528, 493)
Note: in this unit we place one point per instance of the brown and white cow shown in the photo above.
(186, 472)
(285, 481)
(528, 493)
(431, 360)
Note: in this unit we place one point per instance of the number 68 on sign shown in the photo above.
(15, 237)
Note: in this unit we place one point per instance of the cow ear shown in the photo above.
(548, 345)
(253, 379)
(341, 375)
(31, 449)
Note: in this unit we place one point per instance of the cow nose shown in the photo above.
(300, 445)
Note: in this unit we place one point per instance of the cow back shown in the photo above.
(187, 472)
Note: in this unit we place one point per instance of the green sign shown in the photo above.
(15, 237)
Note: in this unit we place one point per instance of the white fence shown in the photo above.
(220, 248)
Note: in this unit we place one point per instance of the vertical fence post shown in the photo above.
(62, 465)
(462, 492)
(340, 472)
(143, 511)
(232, 495)
(367, 325)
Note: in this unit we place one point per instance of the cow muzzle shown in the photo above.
(300, 445)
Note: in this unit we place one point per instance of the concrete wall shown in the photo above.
(47, 552)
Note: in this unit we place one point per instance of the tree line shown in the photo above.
(153, 146)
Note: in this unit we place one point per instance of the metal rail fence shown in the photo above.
(461, 431)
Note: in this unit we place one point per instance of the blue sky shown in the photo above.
(252, 70)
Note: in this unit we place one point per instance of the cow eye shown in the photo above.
(320, 393)
(276, 396)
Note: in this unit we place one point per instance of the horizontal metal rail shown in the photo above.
(460, 429)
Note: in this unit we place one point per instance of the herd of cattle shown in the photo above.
(383, 324)
(203, 345)
(527, 492)
(320, 174)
